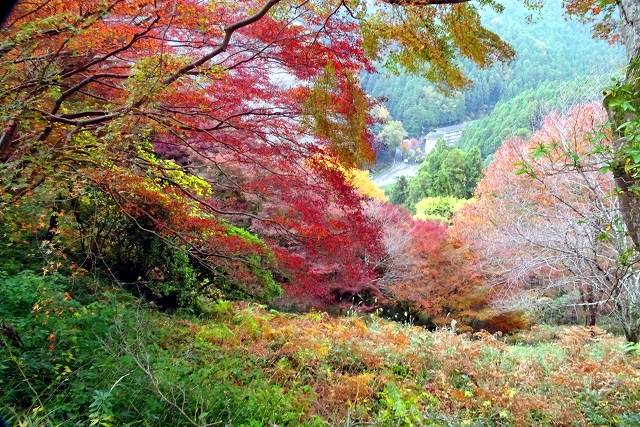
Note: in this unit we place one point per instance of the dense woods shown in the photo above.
(190, 233)
(524, 113)
(544, 54)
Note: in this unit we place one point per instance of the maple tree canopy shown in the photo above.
(223, 126)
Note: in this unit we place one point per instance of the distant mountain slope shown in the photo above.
(549, 49)
(521, 114)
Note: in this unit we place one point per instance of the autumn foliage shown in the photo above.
(191, 133)
(245, 364)
(167, 166)
(547, 218)
(223, 130)
(432, 278)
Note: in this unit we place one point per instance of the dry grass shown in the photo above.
(380, 372)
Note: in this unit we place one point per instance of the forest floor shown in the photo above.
(80, 352)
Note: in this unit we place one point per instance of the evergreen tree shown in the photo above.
(549, 49)
(425, 183)
(399, 191)
(445, 172)
(521, 115)
(451, 179)
(473, 170)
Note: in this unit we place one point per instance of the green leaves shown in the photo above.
(631, 348)
(101, 409)
(446, 171)
(523, 168)
(622, 100)
(145, 81)
(540, 150)
(439, 208)
(392, 134)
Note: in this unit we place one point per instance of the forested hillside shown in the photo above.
(190, 234)
(522, 114)
(549, 49)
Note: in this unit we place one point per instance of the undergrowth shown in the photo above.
(78, 351)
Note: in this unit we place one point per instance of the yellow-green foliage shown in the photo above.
(361, 180)
(168, 172)
(438, 208)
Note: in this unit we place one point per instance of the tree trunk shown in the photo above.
(629, 199)
(590, 307)
(630, 26)
(7, 141)
(592, 316)
(5, 10)
(631, 330)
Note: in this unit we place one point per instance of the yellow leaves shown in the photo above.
(53, 265)
(362, 182)
(427, 39)
(358, 327)
(336, 111)
(360, 179)
(347, 362)
(168, 172)
(216, 71)
(322, 350)
(474, 41)
(146, 81)
(37, 307)
(215, 334)
(316, 316)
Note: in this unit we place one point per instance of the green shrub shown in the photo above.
(101, 359)
(86, 226)
(438, 208)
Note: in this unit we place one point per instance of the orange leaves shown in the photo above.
(431, 277)
(344, 392)
(52, 341)
(601, 13)
(443, 284)
(163, 211)
(245, 113)
(474, 41)
(348, 362)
